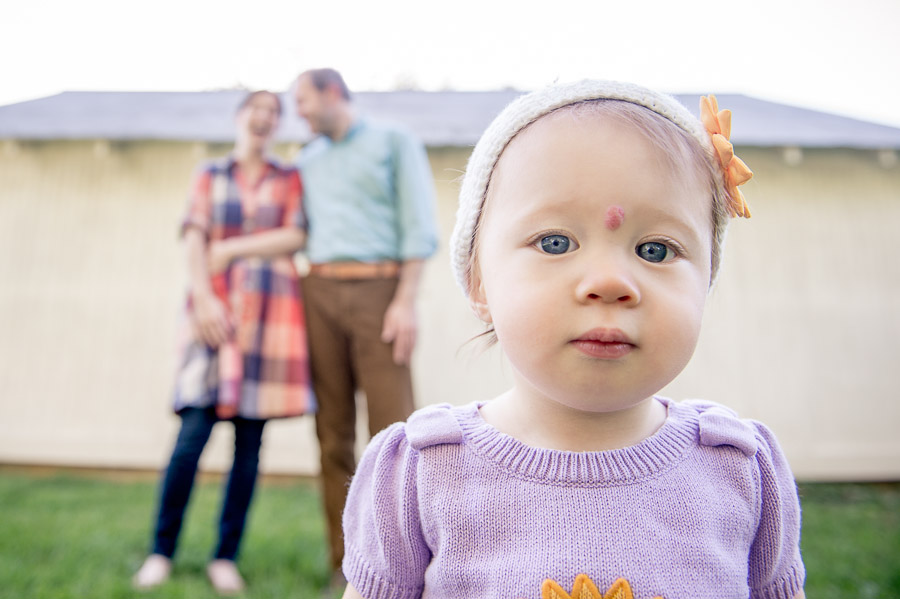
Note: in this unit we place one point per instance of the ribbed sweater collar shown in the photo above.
(651, 456)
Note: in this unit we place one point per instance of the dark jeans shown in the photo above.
(196, 426)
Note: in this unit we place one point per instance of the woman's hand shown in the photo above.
(211, 321)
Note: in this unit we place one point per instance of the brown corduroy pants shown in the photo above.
(344, 321)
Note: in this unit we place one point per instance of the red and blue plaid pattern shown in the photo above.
(263, 371)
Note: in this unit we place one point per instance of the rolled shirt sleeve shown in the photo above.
(199, 205)
(415, 198)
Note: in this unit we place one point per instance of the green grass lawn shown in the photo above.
(70, 536)
(851, 540)
(81, 537)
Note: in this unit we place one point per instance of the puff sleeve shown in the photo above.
(775, 565)
(385, 550)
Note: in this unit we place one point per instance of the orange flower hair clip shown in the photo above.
(718, 126)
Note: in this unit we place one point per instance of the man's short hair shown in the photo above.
(322, 78)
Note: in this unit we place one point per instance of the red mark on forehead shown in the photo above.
(614, 217)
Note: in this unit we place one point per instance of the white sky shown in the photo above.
(838, 56)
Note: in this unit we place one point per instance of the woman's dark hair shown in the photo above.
(249, 98)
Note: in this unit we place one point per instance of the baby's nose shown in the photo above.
(609, 282)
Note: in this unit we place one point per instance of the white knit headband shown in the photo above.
(525, 110)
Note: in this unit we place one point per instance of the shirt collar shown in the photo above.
(357, 124)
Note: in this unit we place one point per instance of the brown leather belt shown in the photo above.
(355, 270)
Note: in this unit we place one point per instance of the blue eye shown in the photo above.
(555, 244)
(653, 251)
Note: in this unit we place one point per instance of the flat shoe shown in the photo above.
(224, 576)
(154, 571)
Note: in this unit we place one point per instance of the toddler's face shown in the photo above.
(592, 262)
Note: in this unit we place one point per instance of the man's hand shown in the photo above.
(400, 329)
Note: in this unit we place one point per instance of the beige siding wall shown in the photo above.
(802, 330)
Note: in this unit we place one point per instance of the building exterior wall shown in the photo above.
(802, 329)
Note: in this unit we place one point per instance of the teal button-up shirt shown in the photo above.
(368, 197)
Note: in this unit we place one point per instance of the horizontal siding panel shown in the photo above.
(802, 330)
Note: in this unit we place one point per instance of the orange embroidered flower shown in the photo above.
(584, 588)
(718, 125)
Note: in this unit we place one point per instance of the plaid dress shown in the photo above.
(262, 372)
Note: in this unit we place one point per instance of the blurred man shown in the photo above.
(369, 202)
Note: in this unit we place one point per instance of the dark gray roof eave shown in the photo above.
(440, 119)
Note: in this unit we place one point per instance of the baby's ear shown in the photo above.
(478, 299)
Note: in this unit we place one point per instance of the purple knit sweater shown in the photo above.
(447, 507)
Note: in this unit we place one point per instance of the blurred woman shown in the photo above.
(243, 351)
